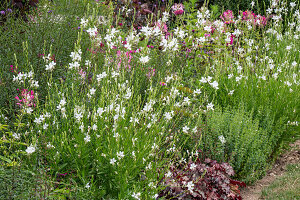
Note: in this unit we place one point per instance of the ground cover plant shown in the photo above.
(185, 103)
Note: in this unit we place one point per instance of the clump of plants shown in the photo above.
(117, 105)
(201, 180)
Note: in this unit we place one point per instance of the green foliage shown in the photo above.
(248, 141)
(106, 122)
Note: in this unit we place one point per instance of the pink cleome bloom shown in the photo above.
(178, 9)
(261, 20)
(248, 15)
(255, 19)
(25, 98)
(227, 17)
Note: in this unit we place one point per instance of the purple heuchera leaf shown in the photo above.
(210, 180)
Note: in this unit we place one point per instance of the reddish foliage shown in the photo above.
(201, 180)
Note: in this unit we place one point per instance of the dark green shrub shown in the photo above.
(245, 142)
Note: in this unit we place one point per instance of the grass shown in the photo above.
(286, 186)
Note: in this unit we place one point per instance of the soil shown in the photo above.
(253, 192)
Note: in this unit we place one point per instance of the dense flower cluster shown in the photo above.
(25, 98)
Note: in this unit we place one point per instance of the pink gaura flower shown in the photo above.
(25, 98)
(82, 74)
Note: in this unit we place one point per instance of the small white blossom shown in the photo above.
(222, 139)
(136, 195)
(185, 129)
(144, 59)
(87, 138)
(210, 106)
(193, 166)
(30, 149)
(112, 161)
(120, 155)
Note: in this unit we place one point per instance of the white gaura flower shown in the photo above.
(87, 138)
(99, 77)
(222, 139)
(186, 101)
(292, 4)
(112, 161)
(193, 166)
(50, 67)
(87, 186)
(165, 16)
(74, 65)
(144, 59)
(136, 195)
(215, 85)
(16, 135)
(210, 106)
(92, 31)
(197, 91)
(76, 56)
(168, 116)
(45, 126)
(185, 129)
(30, 149)
(92, 91)
(190, 185)
(94, 127)
(120, 155)
(146, 30)
(128, 93)
(169, 174)
(84, 22)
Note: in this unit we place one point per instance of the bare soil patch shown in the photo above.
(253, 192)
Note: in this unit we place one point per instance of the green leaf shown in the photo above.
(5, 159)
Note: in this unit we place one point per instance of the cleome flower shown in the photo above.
(25, 98)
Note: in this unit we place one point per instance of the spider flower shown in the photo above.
(25, 98)
(227, 17)
(178, 9)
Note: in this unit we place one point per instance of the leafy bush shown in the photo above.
(245, 141)
(201, 180)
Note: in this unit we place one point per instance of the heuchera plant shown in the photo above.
(201, 180)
